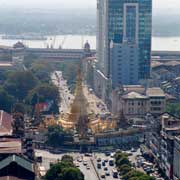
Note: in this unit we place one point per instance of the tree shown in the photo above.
(55, 172)
(67, 158)
(124, 169)
(56, 136)
(173, 108)
(45, 93)
(64, 170)
(143, 177)
(132, 174)
(72, 173)
(6, 101)
(20, 83)
(42, 71)
(121, 159)
(19, 108)
(137, 175)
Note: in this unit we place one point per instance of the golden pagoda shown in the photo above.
(80, 117)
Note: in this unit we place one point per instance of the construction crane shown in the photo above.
(53, 43)
(62, 43)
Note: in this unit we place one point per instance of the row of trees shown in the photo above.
(64, 170)
(174, 108)
(22, 86)
(125, 168)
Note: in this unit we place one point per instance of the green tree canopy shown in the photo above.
(67, 158)
(43, 93)
(56, 136)
(20, 83)
(64, 170)
(42, 71)
(19, 107)
(173, 108)
(6, 101)
(72, 173)
(137, 175)
(121, 159)
(124, 169)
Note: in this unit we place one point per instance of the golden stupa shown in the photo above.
(80, 117)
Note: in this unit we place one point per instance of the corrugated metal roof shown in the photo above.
(20, 161)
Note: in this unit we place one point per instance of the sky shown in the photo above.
(158, 4)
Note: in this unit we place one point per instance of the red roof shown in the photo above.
(5, 124)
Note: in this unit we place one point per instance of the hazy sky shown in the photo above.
(160, 4)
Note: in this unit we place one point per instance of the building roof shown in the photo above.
(5, 124)
(155, 92)
(10, 178)
(19, 45)
(19, 160)
(10, 146)
(5, 64)
(134, 88)
(134, 95)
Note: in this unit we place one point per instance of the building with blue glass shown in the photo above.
(124, 40)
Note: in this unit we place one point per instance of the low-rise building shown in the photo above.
(136, 101)
(161, 142)
(122, 138)
(176, 162)
(5, 124)
(157, 101)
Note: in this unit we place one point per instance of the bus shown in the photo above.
(115, 173)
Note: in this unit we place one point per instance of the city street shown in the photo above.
(90, 170)
(96, 105)
(47, 158)
(65, 95)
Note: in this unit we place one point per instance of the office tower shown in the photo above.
(124, 40)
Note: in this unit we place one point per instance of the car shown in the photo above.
(103, 176)
(79, 160)
(85, 163)
(87, 167)
(133, 150)
(88, 155)
(106, 160)
(107, 153)
(77, 164)
(129, 153)
(111, 162)
(99, 160)
(103, 163)
(112, 155)
(105, 169)
(107, 173)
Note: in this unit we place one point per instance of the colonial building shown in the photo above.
(157, 100)
(136, 101)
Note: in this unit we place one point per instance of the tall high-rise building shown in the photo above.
(124, 40)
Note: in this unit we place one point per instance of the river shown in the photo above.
(77, 42)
